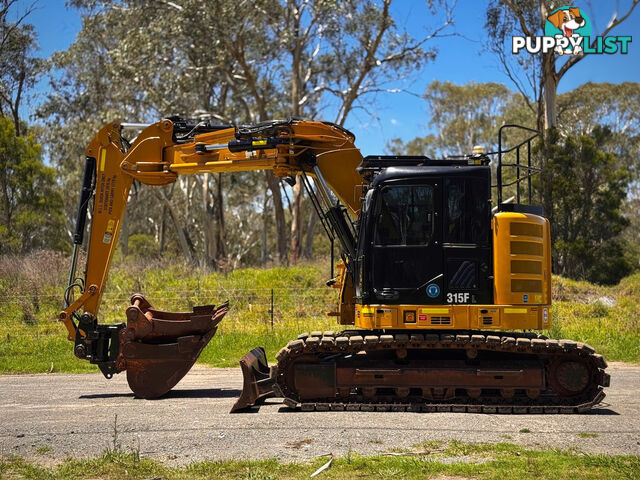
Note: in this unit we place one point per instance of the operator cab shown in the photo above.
(425, 234)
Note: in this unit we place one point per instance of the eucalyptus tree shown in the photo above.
(138, 63)
(612, 105)
(233, 61)
(30, 201)
(537, 76)
(341, 54)
(460, 117)
(19, 68)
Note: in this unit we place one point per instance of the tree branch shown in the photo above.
(518, 13)
(514, 79)
(612, 24)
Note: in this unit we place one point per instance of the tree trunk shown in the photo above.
(182, 236)
(206, 224)
(311, 228)
(124, 235)
(296, 221)
(281, 225)
(220, 230)
(546, 191)
(15, 108)
(6, 198)
(547, 116)
(296, 95)
(549, 87)
(215, 251)
(265, 225)
(163, 227)
(163, 231)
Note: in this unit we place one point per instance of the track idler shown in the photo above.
(158, 348)
(257, 380)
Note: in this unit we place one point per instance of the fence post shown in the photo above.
(272, 309)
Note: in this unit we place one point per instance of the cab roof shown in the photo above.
(392, 174)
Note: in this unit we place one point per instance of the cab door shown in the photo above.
(406, 262)
(466, 239)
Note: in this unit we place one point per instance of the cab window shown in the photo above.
(405, 216)
(466, 211)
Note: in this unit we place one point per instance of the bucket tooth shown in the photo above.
(157, 349)
(257, 381)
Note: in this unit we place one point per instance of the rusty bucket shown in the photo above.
(157, 349)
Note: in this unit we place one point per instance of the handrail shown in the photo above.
(530, 170)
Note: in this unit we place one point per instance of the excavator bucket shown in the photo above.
(257, 380)
(158, 348)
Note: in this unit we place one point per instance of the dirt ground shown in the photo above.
(50, 417)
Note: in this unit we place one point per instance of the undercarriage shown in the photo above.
(439, 371)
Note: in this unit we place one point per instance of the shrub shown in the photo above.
(142, 246)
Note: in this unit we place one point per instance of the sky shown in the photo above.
(460, 59)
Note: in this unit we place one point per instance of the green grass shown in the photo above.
(31, 341)
(580, 313)
(43, 449)
(478, 461)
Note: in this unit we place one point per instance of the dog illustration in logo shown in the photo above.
(567, 21)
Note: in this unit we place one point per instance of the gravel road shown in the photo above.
(51, 417)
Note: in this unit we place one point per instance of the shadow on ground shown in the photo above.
(185, 393)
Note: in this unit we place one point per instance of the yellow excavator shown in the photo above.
(440, 296)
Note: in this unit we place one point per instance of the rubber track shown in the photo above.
(512, 342)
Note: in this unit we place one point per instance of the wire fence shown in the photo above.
(173, 293)
(248, 307)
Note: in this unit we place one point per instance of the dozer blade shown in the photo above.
(158, 348)
(257, 380)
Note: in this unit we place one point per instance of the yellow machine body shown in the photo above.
(454, 317)
(522, 287)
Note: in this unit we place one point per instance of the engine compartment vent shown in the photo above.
(440, 320)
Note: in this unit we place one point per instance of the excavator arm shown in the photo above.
(158, 348)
